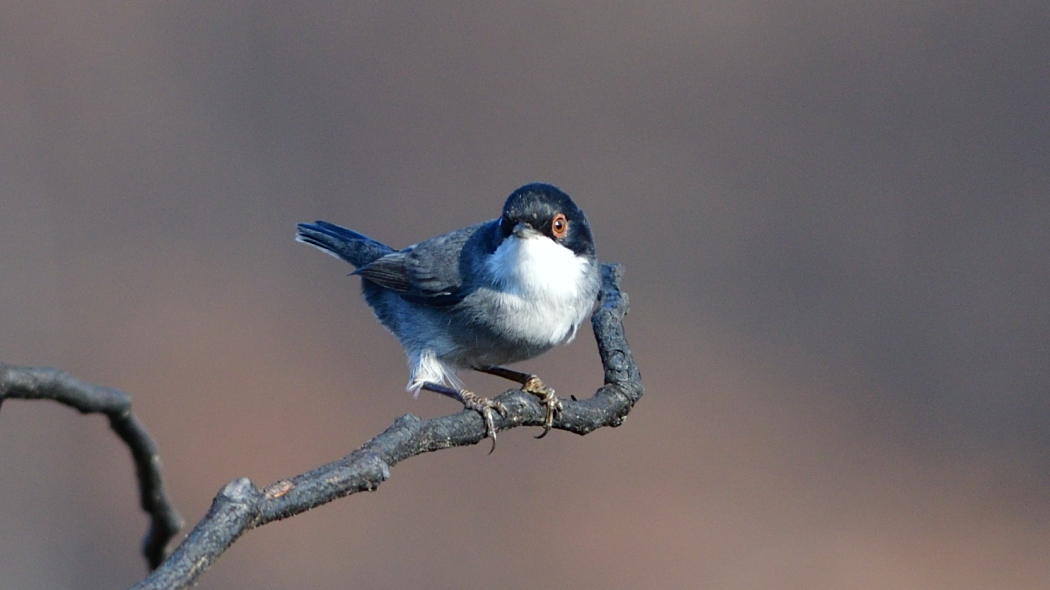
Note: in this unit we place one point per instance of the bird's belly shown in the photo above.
(536, 322)
(506, 328)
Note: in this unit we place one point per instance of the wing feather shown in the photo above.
(431, 272)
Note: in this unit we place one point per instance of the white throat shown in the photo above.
(540, 289)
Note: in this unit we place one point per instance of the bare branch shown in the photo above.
(53, 384)
(240, 506)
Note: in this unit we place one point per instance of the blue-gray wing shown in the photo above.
(435, 272)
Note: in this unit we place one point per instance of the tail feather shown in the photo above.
(343, 243)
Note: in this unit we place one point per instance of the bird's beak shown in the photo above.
(524, 230)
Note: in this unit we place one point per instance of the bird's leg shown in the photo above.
(531, 384)
(473, 401)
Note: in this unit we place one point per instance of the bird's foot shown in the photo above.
(547, 397)
(532, 384)
(474, 402)
(484, 406)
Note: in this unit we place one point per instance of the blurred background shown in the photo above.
(835, 220)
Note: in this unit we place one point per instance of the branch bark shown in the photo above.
(240, 506)
(56, 385)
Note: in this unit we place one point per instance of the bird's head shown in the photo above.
(541, 211)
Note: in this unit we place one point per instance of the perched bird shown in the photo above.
(482, 296)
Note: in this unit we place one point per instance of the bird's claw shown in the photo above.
(549, 400)
(484, 406)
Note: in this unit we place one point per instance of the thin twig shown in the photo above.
(240, 506)
(56, 385)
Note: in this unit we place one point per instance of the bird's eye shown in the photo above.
(559, 226)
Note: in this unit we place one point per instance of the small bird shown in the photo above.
(479, 297)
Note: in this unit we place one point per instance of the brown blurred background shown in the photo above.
(835, 219)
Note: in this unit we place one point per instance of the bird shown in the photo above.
(479, 297)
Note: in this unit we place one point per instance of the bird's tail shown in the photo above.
(348, 245)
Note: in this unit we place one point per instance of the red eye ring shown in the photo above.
(559, 226)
